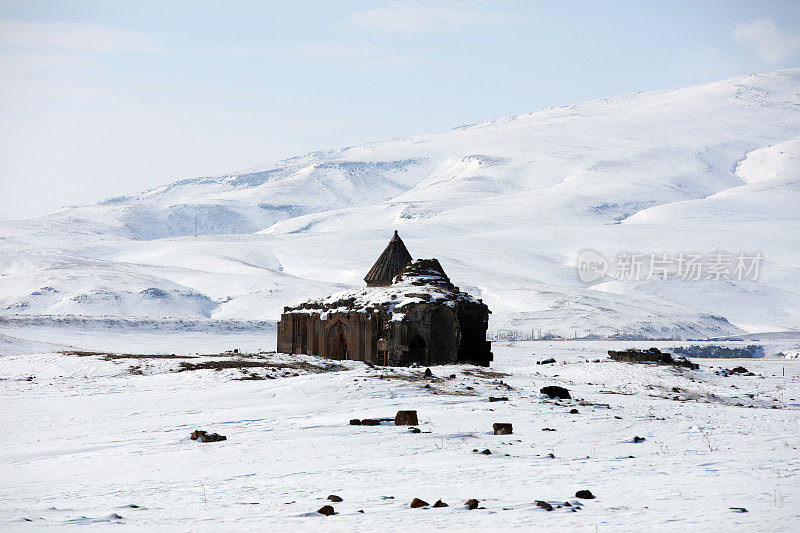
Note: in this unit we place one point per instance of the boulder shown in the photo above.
(415, 430)
(472, 504)
(428, 373)
(406, 418)
(370, 422)
(487, 451)
(573, 411)
(498, 399)
(440, 503)
(334, 498)
(416, 502)
(637, 439)
(544, 505)
(355, 422)
(204, 436)
(554, 391)
(549, 361)
(585, 494)
(502, 428)
(326, 510)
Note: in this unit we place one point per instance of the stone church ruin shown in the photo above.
(409, 313)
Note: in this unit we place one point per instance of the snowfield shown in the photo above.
(506, 206)
(128, 323)
(95, 440)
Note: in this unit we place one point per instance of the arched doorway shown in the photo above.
(337, 341)
(417, 350)
(443, 338)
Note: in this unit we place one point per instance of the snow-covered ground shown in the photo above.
(506, 206)
(102, 440)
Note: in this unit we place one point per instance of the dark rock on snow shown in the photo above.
(440, 503)
(573, 411)
(472, 504)
(406, 418)
(585, 494)
(637, 439)
(428, 373)
(554, 391)
(544, 505)
(334, 498)
(203, 436)
(326, 510)
(355, 422)
(416, 502)
(502, 428)
(498, 399)
(487, 451)
(546, 361)
(415, 430)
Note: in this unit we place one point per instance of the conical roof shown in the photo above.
(389, 264)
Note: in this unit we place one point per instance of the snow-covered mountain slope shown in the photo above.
(506, 206)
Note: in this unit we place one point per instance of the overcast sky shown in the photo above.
(100, 98)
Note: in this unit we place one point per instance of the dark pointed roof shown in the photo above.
(389, 264)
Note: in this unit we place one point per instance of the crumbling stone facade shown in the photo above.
(415, 316)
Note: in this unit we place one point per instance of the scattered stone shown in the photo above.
(739, 370)
(637, 439)
(370, 422)
(676, 389)
(544, 505)
(334, 498)
(472, 504)
(618, 417)
(573, 411)
(502, 428)
(361, 510)
(548, 429)
(355, 422)
(554, 391)
(203, 436)
(546, 361)
(415, 430)
(440, 503)
(653, 355)
(739, 509)
(428, 373)
(474, 449)
(326, 510)
(452, 376)
(567, 504)
(416, 502)
(406, 418)
(388, 497)
(487, 451)
(498, 399)
(551, 455)
(585, 494)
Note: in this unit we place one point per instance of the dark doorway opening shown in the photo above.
(337, 341)
(417, 350)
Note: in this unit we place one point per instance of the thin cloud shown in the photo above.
(362, 53)
(772, 44)
(403, 16)
(76, 36)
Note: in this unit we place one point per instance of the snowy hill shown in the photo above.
(506, 206)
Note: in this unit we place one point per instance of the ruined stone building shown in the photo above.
(408, 313)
